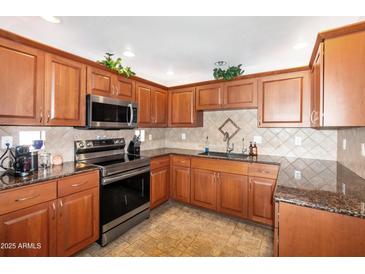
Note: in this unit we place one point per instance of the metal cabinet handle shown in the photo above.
(312, 117)
(41, 116)
(79, 184)
(48, 116)
(54, 210)
(26, 198)
(61, 207)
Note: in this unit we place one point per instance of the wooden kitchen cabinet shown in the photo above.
(204, 188)
(152, 106)
(160, 181)
(182, 109)
(181, 183)
(65, 92)
(343, 80)
(78, 221)
(261, 207)
(22, 84)
(100, 82)
(232, 194)
(240, 94)
(317, 89)
(125, 89)
(29, 232)
(284, 100)
(209, 96)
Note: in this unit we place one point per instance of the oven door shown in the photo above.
(105, 112)
(123, 196)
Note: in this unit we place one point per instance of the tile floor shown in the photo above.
(175, 229)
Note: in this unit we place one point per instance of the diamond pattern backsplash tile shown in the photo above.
(318, 144)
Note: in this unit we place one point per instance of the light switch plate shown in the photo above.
(6, 139)
(183, 136)
(257, 139)
(344, 144)
(298, 141)
(149, 137)
(142, 135)
(297, 175)
(363, 149)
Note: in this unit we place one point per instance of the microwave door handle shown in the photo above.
(131, 114)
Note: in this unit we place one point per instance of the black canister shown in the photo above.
(34, 160)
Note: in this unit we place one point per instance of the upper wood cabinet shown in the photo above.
(105, 83)
(152, 106)
(65, 92)
(21, 84)
(209, 96)
(344, 81)
(240, 94)
(99, 82)
(317, 89)
(182, 109)
(284, 100)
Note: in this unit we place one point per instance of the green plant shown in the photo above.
(229, 73)
(116, 65)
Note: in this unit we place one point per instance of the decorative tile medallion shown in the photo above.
(229, 127)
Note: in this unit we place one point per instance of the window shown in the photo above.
(27, 137)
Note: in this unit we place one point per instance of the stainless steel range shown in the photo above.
(125, 185)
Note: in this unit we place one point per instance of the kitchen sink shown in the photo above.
(225, 155)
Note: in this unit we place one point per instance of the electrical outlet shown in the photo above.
(142, 135)
(297, 175)
(183, 136)
(343, 188)
(149, 137)
(363, 149)
(257, 139)
(344, 144)
(6, 139)
(298, 141)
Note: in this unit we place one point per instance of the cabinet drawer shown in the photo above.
(27, 196)
(180, 161)
(78, 183)
(228, 166)
(160, 162)
(264, 171)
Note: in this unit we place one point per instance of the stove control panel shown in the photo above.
(80, 144)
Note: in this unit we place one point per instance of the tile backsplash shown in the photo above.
(351, 157)
(318, 144)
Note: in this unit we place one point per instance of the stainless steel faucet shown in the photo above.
(244, 149)
(229, 149)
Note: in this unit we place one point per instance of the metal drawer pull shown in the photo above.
(80, 184)
(26, 198)
(264, 171)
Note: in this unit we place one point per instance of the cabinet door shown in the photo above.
(125, 89)
(284, 100)
(204, 188)
(31, 230)
(232, 194)
(65, 92)
(100, 82)
(317, 89)
(209, 96)
(160, 181)
(240, 94)
(159, 107)
(181, 183)
(182, 109)
(78, 221)
(143, 93)
(344, 81)
(261, 207)
(21, 84)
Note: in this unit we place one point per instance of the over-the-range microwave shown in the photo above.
(109, 113)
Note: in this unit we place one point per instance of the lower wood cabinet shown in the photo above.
(204, 188)
(33, 222)
(29, 232)
(160, 181)
(181, 183)
(78, 221)
(261, 207)
(232, 194)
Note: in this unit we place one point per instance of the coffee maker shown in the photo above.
(134, 146)
(20, 161)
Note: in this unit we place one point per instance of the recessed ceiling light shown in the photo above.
(128, 53)
(51, 19)
(170, 72)
(220, 63)
(300, 45)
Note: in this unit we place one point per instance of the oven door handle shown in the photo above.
(125, 175)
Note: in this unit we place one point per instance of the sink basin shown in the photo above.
(225, 155)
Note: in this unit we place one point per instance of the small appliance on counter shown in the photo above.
(134, 146)
(20, 161)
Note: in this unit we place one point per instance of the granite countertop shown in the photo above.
(319, 184)
(55, 172)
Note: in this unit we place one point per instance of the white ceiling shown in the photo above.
(189, 46)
